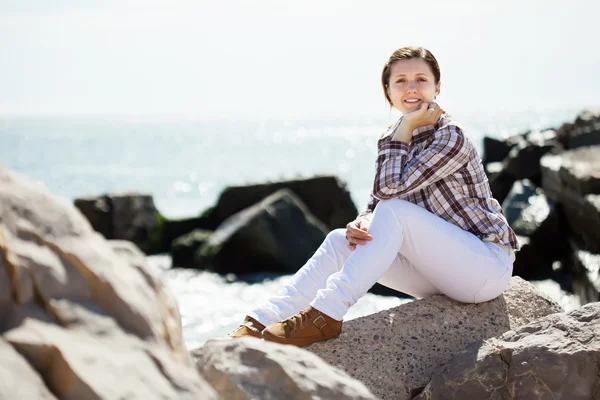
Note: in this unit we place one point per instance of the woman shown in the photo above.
(431, 227)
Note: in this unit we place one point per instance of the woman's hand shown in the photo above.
(356, 233)
(427, 114)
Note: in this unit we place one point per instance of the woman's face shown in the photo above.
(411, 83)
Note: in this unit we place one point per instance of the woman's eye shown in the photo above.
(423, 79)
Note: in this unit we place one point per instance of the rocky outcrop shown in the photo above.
(327, 198)
(584, 131)
(248, 368)
(124, 216)
(184, 248)
(81, 317)
(395, 352)
(555, 357)
(277, 234)
(558, 203)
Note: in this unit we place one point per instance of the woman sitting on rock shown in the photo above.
(431, 227)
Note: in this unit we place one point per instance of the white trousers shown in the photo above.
(412, 251)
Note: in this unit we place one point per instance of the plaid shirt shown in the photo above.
(440, 170)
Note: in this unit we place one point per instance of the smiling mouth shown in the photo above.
(412, 101)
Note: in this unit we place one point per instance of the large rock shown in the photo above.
(184, 248)
(583, 217)
(573, 179)
(523, 161)
(584, 272)
(555, 357)
(526, 207)
(124, 216)
(584, 131)
(395, 352)
(278, 234)
(540, 220)
(248, 368)
(91, 318)
(326, 197)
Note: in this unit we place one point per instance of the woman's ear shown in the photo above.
(437, 88)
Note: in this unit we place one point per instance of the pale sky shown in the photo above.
(278, 58)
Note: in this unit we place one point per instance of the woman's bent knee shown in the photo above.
(337, 236)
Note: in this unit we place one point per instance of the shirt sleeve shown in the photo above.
(397, 175)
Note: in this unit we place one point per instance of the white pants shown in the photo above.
(412, 251)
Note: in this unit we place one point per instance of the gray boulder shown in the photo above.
(554, 357)
(248, 368)
(89, 317)
(395, 352)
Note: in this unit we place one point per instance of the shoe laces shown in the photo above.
(297, 321)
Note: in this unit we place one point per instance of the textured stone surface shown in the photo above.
(555, 357)
(396, 351)
(248, 368)
(18, 380)
(89, 316)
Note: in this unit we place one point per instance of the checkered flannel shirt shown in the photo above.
(440, 170)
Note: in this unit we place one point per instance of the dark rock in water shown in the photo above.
(554, 357)
(550, 170)
(525, 207)
(546, 244)
(495, 150)
(573, 179)
(326, 197)
(583, 216)
(583, 268)
(585, 131)
(580, 170)
(501, 185)
(278, 234)
(492, 170)
(127, 216)
(174, 228)
(184, 248)
(523, 161)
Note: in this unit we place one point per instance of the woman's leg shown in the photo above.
(454, 261)
(301, 290)
(404, 277)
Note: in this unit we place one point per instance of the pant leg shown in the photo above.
(301, 290)
(455, 261)
(404, 277)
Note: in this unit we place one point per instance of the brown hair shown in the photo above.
(406, 53)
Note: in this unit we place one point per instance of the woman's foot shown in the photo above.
(308, 326)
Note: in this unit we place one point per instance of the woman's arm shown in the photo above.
(397, 175)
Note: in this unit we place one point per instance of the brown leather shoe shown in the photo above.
(308, 326)
(250, 327)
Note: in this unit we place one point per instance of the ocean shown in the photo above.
(186, 162)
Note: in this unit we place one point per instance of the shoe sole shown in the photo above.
(295, 342)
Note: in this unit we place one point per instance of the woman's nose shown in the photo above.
(411, 85)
